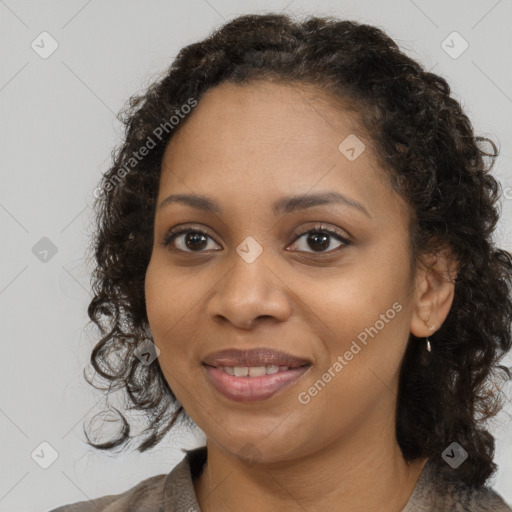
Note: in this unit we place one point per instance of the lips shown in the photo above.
(253, 358)
(253, 389)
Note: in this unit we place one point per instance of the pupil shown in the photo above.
(317, 237)
(194, 238)
(198, 240)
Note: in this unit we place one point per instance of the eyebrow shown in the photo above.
(287, 204)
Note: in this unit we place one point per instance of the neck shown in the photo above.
(343, 476)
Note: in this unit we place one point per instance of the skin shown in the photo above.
(246, 147)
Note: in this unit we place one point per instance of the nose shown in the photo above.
(248, 292)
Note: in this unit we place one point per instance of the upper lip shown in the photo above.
(254, 357)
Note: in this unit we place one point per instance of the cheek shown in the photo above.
(355, 299)
(172, 302)
(163, 314)
(168, 297)
(154, 296)
(365, 319)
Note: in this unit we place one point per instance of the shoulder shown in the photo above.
(461, 498)
(145, 496)
(438, 489)
(166, 493)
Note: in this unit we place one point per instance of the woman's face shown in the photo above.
(259, 278)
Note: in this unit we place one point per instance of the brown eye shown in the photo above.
(319, 239)
(194, 240)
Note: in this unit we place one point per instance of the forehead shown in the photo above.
(261, 113)
(264, 139)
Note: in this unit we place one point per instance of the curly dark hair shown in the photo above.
(431, 157)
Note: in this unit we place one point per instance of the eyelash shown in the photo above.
(318, 229)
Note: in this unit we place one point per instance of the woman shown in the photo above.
(300, 220)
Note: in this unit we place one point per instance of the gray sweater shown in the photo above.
(175, 493)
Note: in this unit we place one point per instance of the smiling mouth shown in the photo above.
(253, 383)
(255, 371)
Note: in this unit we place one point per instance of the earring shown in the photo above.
(429, 347)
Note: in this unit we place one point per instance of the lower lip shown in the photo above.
(252, 389)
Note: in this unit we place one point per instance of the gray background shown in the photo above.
(57, 129)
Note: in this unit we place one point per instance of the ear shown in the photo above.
(434, 292)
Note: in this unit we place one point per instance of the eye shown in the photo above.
(319, 238)
(195, 240)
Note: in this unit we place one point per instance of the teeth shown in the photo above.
(257, 371)
(253, 371)
(241, 371)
